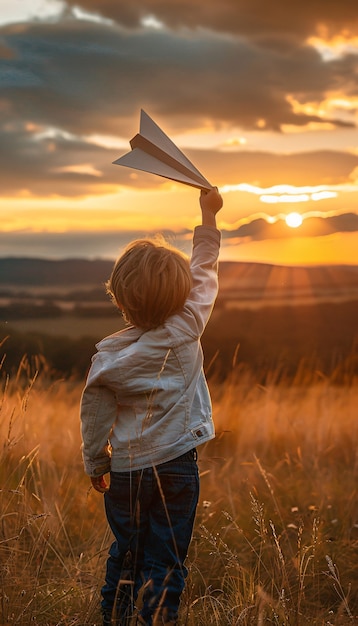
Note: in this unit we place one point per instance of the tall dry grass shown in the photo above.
(281, 516)
(276, 534)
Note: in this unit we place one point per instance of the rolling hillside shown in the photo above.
(239, 282)
(268, 318)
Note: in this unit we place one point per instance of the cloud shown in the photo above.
(260, 229)
(109, 244)
(90, 77)
(43, 161)
(225, 65)
(249, 17)
(263, 169)
(53, 163)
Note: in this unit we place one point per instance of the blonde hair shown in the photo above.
(150, 281)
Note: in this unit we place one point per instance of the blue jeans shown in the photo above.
(151, 513)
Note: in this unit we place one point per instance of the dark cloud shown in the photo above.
(81, 78)
(345, 223)
(42, 166)
(245, 17)
(86, 77)
(260, 229)
(52, 165)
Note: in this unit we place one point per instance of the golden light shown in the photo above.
(334, 47)
(293, 220)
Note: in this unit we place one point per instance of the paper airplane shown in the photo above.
(153, 152)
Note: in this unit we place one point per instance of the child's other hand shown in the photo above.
(211, 200)
(99, 484)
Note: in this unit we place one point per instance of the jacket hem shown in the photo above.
(150, 459)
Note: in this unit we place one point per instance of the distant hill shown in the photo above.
(267, 317)
(239, 282)
(259, 282)
(41, 272)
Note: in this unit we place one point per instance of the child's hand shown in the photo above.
(211, 200)
(99, 484)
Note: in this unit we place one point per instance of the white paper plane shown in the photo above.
(153, 152)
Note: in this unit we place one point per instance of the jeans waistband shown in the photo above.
(191, 455)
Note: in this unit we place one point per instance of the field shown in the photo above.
(276, 535)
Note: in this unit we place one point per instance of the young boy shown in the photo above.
(146, 393)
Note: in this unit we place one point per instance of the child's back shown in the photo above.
(147, 393)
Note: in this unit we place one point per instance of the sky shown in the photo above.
(264, 102)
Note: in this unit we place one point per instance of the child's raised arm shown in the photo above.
(210, 203)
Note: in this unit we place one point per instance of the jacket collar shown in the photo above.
(121, 339)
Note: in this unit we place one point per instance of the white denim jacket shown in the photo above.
(146, 391)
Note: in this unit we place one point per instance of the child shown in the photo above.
(146, 393)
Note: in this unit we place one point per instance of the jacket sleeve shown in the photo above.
(204, 270)
(98, 413)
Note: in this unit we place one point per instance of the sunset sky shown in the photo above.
(262, 97)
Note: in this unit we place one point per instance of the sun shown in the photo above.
(293, 220)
